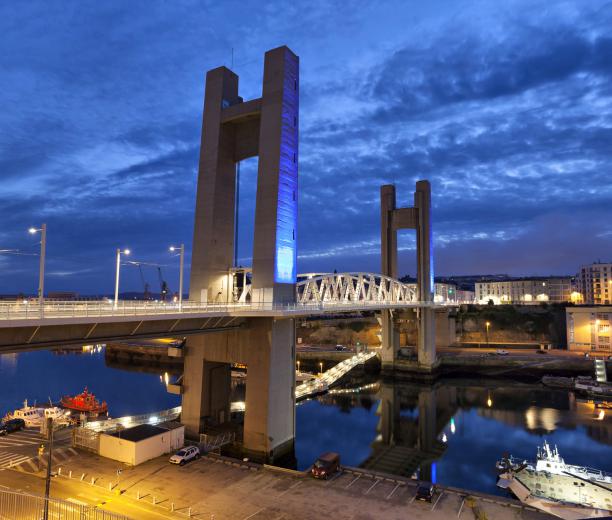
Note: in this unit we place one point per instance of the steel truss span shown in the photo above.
(346, 288)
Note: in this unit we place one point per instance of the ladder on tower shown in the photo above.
(600, 371)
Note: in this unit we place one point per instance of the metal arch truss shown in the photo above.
(343, 288)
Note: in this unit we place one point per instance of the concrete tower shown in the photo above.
(233, 130)
(419, 218)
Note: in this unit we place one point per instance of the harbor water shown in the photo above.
(452, 432)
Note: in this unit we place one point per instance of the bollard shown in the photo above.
(69, 474)
(92, 480)
(82, 477)
(138, 494)
(59, 471)
(110, 486)
(172, 506)
(154, 502)
(189, 512)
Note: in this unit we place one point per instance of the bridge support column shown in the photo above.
(389, 338)
(206, 392)
(269, 422)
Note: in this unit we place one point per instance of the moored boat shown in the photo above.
(561, 489)
(31, 415)
(85, 402)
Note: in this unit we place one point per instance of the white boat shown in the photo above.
(32, 415)
(564, 490)
(59, 415)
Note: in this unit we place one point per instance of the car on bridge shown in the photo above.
(184, 455)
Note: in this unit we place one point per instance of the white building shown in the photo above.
(594, 283)
(588, 328)
(526, 291)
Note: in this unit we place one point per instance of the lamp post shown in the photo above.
(321, 367)
(181, 266)
(125, 252)
(488, 324)
(41, 266)
(298, 366)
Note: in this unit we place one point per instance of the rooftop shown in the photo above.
(143, 431)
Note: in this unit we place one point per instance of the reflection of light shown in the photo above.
(601, 415)
(452, 425)
(166, 378)
(489, 400)
(544, 418)
(444, 437)
(153, 420)
(237, 406)
(161, 378)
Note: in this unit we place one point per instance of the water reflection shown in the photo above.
(454, 431)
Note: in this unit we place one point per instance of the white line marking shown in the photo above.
(438, 499)
(353, 481)
(372, 486)
(461, 508)
(290, 488)
(394, 490)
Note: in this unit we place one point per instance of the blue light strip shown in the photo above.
(285, 269)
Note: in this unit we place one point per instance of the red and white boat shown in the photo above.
(84, 402)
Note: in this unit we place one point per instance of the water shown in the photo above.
(455, 431)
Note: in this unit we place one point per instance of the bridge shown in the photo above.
(253, 325)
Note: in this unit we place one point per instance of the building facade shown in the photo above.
(588, 328)
(525, 291)
(594, 284)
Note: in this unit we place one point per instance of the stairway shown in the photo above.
(600, 371)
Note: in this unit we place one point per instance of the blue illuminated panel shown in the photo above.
(286, 213)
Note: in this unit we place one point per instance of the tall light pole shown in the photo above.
(41, 266)
(182, 264)
(125, 252)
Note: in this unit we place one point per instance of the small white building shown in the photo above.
(143, 442)
(589, 328)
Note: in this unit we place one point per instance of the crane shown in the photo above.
(145, 285)
(164, 290)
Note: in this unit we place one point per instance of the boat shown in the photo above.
(593, 388)
(560, 489)
(558, 382)
(84, 402)
(31, 415)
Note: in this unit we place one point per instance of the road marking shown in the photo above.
(290, 488)
(436, 503)
(372, 486)
(394, 490)
(353, 481)
(461, 508)
(338, 474)
(8, 459)
(255, 513)
(412, 499)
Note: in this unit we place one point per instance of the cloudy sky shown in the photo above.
(506, 107)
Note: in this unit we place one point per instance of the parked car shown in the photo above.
(12, 425)
(425, 491)
(340, 347)
(542, 351)
(184, 455)
(501, 352)
(326, 465)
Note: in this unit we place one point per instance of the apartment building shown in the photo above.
(594, 283)
(588, 328)
(526, 290)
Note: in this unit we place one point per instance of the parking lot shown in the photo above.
(230, 489)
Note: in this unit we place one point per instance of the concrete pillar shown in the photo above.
(425, 274)
(389, 414)
(206, 391)
(269, 422)
(388, 240)
(274, 245)
(213, 234)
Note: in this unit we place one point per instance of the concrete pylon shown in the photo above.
(233, 130)
(392, 220)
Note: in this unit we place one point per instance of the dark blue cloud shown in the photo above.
(507, 111)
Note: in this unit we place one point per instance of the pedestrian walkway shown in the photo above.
(20, 438)
(35, 464)
(8, 459)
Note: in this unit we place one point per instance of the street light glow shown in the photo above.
(32, 230)
(126, 251)
(172, 248)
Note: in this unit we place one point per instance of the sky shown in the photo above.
(505, 107)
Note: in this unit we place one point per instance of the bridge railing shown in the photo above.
(103, 308)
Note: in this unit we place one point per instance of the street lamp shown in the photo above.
(488, 324)
(181, 250)
(298, 367)
(321, 366)
(119, 252)
(41, 268)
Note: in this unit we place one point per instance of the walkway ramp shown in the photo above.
(328, 378)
